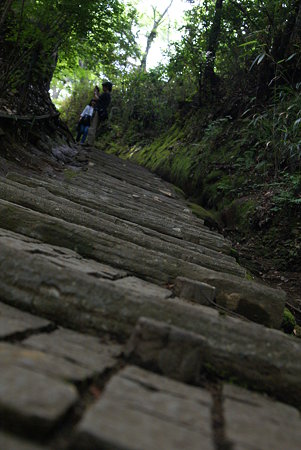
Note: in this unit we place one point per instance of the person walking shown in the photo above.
(101, 109)
(85, 121)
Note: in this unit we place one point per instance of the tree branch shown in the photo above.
(152, 35)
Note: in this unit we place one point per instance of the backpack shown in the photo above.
(85, 120)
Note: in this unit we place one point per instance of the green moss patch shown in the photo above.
(288, 322)
(201, 212)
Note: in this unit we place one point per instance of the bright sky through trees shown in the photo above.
(167, 31)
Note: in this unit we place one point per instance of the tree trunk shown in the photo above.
(283, 41)
(4, 10)
(208, 78)
(152, 35)
(295, 37)
(150, 39)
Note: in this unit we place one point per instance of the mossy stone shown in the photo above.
(288, 322)
(208, 217)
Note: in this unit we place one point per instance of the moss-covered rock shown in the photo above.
(288, 322)
(179, 191)
(209, 217)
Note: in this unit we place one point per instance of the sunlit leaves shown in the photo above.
(96, 32)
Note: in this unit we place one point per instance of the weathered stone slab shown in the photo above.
(74, 300)
(60, 256)
(100, 245)
(40, 199)
(86, 351)
(124, 169)
(32, 400)
(71, 213)
(254, 308)
(137, 175)
(164, 197)
(109, 188)
(148, 219)
(44, 362)
(118, 181)
(9, 442)
(140, 410)
(13, 321)
(143, 287)
(253, 421)
(258, 302)
(195, 291)
(167, 239)
(265, 359)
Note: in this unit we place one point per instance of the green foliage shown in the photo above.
(145, 103)
(275, 134)
(188, 56)
(258, 46)
(215, 129)
(287, 192)
(97, 33)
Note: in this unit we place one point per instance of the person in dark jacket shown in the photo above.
(101, 109)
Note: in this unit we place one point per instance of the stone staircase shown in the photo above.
(127, 324)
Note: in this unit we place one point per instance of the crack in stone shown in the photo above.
(62, 437)
(217, 418)
(20, 336)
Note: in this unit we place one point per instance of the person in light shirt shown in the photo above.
(85, 121)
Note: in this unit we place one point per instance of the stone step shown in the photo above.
(60, 257)
(254, 421)
(62, 354)
(205, 294)
(140, 176)
(135, 195)
(69, 212)
(107, 248)
(256, 301)
(137, 199)
(51, 365)
(120, 170)
(25, 400)
(11, 189)
(96, 355)
(37, 372)
(140, 410)
(108, 189)
(59, 291)
(226, 348)
(144, 217)
(13, 321)
(42, 188)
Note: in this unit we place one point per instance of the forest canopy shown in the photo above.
(35, 35)
(259, 41)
